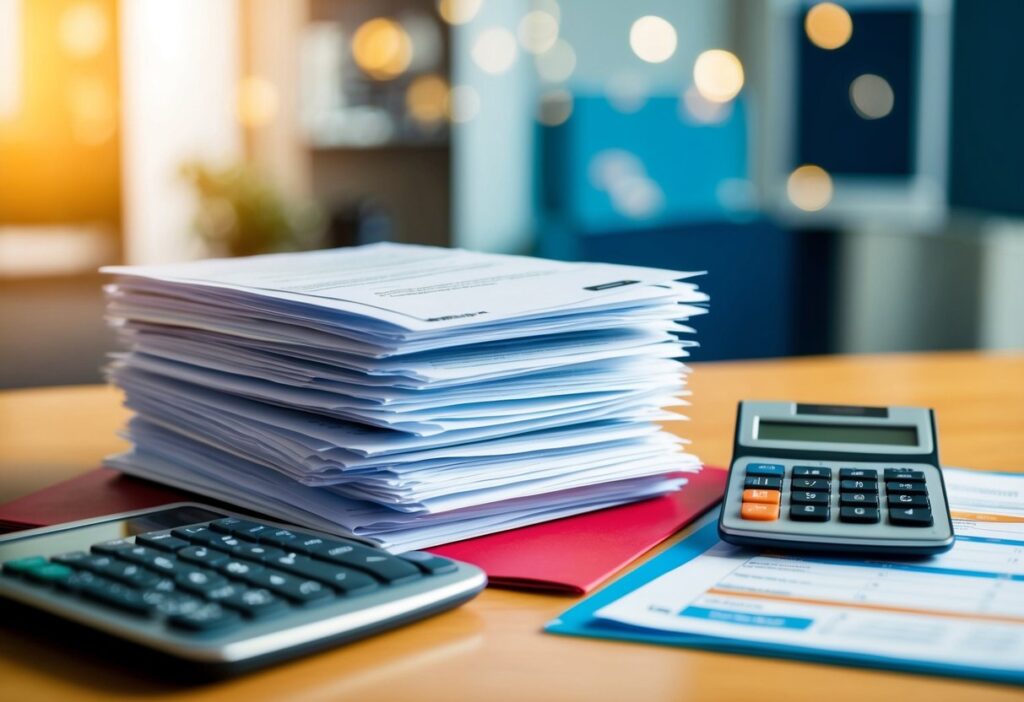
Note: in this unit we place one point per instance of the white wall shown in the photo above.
(179, 72)
(492, 152)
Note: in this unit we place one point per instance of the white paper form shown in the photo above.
(964, 607)
(418, 287)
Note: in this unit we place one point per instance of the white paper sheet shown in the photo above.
(430, 394)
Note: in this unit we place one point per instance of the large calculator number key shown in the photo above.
(809, 513)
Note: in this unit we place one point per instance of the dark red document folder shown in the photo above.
(570, 555)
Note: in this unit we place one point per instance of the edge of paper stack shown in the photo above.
(406, 395)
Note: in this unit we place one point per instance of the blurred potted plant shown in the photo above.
(240, 213)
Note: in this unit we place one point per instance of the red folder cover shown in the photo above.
(570, 555)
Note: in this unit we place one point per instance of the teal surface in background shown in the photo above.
(607, 170)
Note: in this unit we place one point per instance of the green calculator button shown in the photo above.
(50, 573)
(22, 566)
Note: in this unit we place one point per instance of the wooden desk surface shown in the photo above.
(493, 648)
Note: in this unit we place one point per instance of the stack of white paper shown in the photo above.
(410, 395)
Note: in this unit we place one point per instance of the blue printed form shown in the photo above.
(958, 613)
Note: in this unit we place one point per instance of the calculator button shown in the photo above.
(809, 513)
(163, 541)
(256, 552)
(49, 573)
(255, 603)
(897, 501)
(812, 472)
(760, 481)
(855, 473)
(208, 617)
(429, 563)
(861, 499)
(344, 579)
(809, 498)
(151, 558)
(69, 559)
(130, 574)
(111, 548)
(378, 563)
(774, 470)
(219, 593)
(296, 589)
(21, 566)
(759, 512)
(211, 539)
(906, 488)
(200, 555)
(809, 484)
(171, 604)
(116, 595)
(859, 515)
(237, 568)
(911, 516)
(282, 538)
(239, 527)
(200, 581)
(766, 497)
(905, 475)
(858, 486)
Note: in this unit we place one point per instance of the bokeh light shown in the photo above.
(718, 75)
(628, 91)
(809, 187)
(83, 30)
(555, 107)
(257, 102)
(653, 39)
(828, 26)
(556, 64)
(494, 50)
(697, 109)
(458, 11)
(871, 96)
(381, 48)
(463, 103)
(427, 99)
(620, 173)
(538, 31)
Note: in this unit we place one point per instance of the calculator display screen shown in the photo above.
(770, 430)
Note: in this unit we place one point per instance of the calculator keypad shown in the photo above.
(864, 497)
(216, 576)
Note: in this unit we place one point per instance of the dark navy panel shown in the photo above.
(829, 132)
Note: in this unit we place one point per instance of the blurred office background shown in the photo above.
(850, 174)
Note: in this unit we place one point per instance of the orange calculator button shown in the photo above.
(765, 497)
(759, 512)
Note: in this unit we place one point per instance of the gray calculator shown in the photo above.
(222, 592)
(836, 478)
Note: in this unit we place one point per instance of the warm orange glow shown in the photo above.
(257, 102)
(810, 188)
(93, 113)
(718, 75)
(427, 99)
(828, 26)
(83, 30)
(458, 11)
(381, 47)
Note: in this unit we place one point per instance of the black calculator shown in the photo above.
(837, 478)
(220, 591)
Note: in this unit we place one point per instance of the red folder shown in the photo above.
(570, 555)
